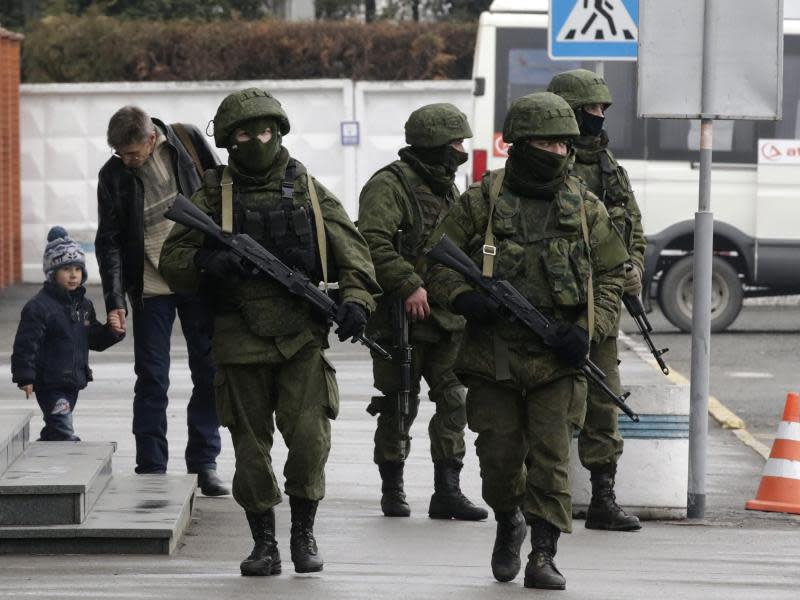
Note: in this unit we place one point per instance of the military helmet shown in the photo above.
(539, 115)
(435, 125)
(242, 106)
(580, 87)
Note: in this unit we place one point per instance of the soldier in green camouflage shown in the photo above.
(600, 443)
(413, 194)
(542, 230)
(268, 344)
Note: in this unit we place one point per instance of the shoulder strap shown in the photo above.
(287, 187)
(183, 135)
(574, 187)
(227, 200)
(489, 249)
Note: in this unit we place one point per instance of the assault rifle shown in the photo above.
(636, 310)
(263, 261)
(517, 308)
(402, 356)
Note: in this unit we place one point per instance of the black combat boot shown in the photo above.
(305, 556)
(507, 542)
(541, 571)
(264, 559)
(393, 500)
(447, 501)
(604, 512)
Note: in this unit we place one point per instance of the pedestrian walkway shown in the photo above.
(732, 554)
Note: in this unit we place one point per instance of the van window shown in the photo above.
(523, 67)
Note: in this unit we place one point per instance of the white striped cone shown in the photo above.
(780, 484)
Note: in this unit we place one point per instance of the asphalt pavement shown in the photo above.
(731, 554)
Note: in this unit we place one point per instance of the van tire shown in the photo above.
(675, 294)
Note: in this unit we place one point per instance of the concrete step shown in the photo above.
(137, 514)
(14, 435)
(54, 483)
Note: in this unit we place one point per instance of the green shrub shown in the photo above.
(78, 49)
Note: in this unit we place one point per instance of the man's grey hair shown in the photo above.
(129, 125)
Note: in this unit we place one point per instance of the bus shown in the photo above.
(755, 180)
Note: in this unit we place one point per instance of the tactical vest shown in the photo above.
(609, 181)
(284, 223)
(539, 247)
(427, 209)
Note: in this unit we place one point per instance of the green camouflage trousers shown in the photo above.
(433, 361)
(302, 394)
(599, 442)
(523, 444)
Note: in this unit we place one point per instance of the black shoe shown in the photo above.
(604, 512)
(447, 501)
(264, 560)
(508, 540)
(393, 498)
(541, 572)
(305, 555)
(210, 484)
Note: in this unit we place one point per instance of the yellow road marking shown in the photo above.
(718, 411)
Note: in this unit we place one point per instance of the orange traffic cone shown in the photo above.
(780, 485)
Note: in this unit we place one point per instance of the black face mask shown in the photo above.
(538, 164)
(444, 156)
(590, 124)
(253, 156)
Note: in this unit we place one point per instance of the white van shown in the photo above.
(756, 205)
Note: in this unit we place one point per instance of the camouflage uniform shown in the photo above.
(524, 401)
(413, 194)
(600, 443)
(268, 343)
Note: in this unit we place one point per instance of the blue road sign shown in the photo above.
(593, 29)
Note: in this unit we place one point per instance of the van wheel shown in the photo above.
(675, 294)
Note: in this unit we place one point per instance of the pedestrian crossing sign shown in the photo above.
(596, 30)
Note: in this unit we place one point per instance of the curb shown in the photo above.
(718, 411)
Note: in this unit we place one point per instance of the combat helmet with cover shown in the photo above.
(243, 105)
(539, 115)
(435, 125)
(580, 87)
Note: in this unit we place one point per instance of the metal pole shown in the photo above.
(701, 299)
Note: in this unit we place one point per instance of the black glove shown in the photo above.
(571, 344)
(475, 307)
(351, 318)
(219, 263)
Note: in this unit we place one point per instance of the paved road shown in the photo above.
(753, 364)
(733, 555)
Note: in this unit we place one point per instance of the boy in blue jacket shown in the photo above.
(57, 329)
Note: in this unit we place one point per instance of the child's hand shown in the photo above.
(28, 389)
(115, 322)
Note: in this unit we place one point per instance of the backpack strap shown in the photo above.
(183, 135)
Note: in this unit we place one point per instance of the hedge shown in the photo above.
(81, 49)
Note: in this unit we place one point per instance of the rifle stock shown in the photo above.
(518, 308)
(262, 260)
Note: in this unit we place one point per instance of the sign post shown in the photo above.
(708, 59)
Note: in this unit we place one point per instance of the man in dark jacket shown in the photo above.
(152, 163)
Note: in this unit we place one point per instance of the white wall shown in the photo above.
(63, 126)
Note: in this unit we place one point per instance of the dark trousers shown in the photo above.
(57, 406)
(152, 329)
